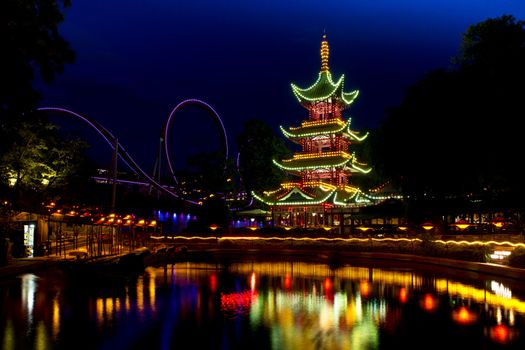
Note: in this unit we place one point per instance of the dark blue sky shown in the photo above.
(136, 59)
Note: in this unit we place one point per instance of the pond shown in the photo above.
(262, 305)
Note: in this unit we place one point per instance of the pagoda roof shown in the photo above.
(312, 128)
(315, 161)
(295, 194)
(317, 127)
(325, 88)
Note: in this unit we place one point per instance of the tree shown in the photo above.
(457, 131)
(31, 151)
(40, 163)
(30, 42)
(258, 145)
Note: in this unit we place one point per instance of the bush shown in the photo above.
(517, 257)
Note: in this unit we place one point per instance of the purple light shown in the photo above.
(168, 122)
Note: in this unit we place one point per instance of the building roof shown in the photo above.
(323, 127)
(323, 89)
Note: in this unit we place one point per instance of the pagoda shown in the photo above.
(322, 191)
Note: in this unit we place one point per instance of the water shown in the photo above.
(260, 305)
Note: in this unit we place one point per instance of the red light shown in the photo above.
(403, 295)
(213, 283)
(463, 316)
(287, 282)
(327, 284)
(364, 288)
(429, 303)
(500, 334)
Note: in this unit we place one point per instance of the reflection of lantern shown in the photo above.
(252, 281)
(403, 295)
(287, 282)
(327, 285)
(463, 316)
(429, 303)
(213, 282)
(500, 334)
(364, 288)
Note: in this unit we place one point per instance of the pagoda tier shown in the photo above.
(314, 193)
(325, 95)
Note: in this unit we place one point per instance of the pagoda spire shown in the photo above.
(325, 53)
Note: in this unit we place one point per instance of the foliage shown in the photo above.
(258, 145)
(31, 152)
(457, 131)
(40, 163)
(517, 257)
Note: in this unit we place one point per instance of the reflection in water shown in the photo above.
(262, 305)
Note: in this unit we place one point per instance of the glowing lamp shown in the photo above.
(213, 227)
(498, 222)
(253, 228)
(327, 228)
(462, 224)
(287, 228)
(427, 226)
(141, 222)
(364, 228)
(402, 228)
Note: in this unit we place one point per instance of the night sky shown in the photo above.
(137, 59)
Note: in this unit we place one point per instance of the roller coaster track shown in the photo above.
(112, 141)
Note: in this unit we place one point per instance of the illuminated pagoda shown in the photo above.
(323, 167)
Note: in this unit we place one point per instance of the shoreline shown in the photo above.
(333, 257)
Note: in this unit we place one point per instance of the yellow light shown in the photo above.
(427, 226)
(364, 228)
(498, 224)
(402, 228)
(327, 228)
(153, 223)
(287, 228)
(213, 227)
(141, 222)
(253, 228)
